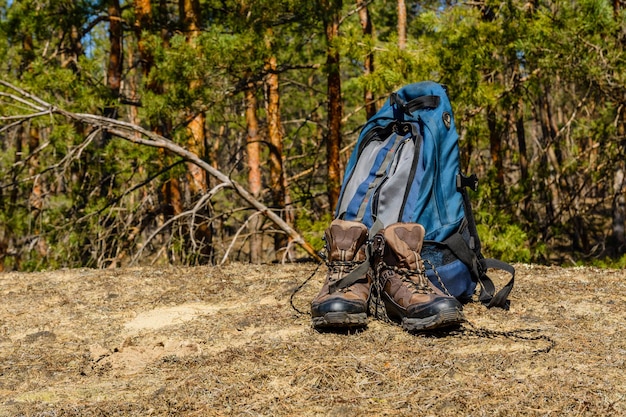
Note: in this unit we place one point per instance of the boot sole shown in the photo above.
(340, 319)
(445, 318)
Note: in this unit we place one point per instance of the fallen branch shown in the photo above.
(128, 131)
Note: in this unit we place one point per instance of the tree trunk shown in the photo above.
(619, 213)
(190, 15)
(401, 24)
(521, 142)
(619, 179)
(520, 131)
(274, 136)
(196, 176)
(35, 201)
(495, 147)
(115, 68)
(116, 59)
(335, 107)
(553, 203)
(132, 90)
(145, 17)
(144, 22)
(196, 132)
(253, 151)
(368, 65)
(278, 185)
(172, 198)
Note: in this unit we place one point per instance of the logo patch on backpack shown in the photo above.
(447, 119)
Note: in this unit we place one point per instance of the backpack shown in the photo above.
(405, 168)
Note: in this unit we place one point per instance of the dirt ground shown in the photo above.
(212, 341)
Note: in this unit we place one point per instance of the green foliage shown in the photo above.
(313, 230)
(605, 262)
(503, 239)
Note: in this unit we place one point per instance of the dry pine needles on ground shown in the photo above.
(225, 341)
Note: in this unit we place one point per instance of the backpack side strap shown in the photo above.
(488, 295)
(478, 268)
(477, 263)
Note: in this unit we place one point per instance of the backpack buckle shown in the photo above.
(462, 181)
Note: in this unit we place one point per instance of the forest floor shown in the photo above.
(212, 341)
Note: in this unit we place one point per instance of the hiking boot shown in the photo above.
(343, 301)
(407, 293)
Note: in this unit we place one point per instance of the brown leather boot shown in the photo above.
(343, 301)
(408, 294)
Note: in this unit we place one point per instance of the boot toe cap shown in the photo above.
(338, 305)
(438, 306)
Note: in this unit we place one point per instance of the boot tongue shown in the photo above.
(405, 241)
(344, 239)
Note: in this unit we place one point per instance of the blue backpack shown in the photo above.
(405, 168)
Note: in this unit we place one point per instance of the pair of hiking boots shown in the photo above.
(389, 265)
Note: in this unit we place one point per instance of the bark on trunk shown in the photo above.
(401, 24)
(619, 213)
(253, 151)
(116, 58)
(335, 107)
(115, 65)
(196, 176)
(520, 131)
(495, 147)
(190, 15)
(368, 64)
(274, 136)
(521, 142)
(549, 161)
(280, 194)
(144, 22)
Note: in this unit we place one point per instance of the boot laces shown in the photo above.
(337, 270)
(421, 285)
(377, 306)
(416, 280)
(439, 280)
